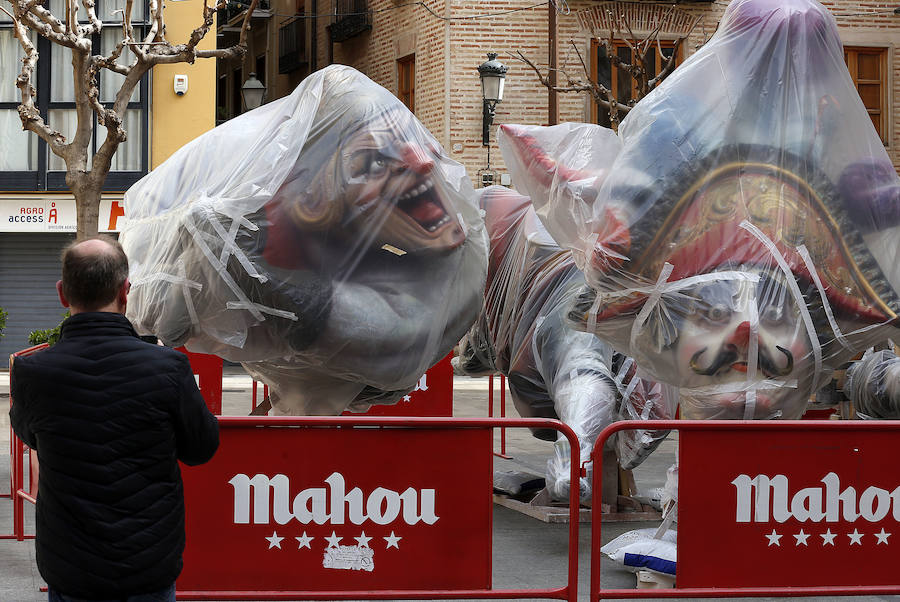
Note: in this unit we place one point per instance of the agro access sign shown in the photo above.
(787, 508)
(329, 509)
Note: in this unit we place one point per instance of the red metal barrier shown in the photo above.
(18, 494)
(432, 397)
(414, 494)
(208, 371)
(766, 508)
(502, 452)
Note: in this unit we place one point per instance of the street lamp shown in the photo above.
(493, 76)
(253, 91)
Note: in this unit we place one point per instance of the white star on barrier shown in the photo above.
(333, 540)
(407, 398)
(304, 541)
(392, 541)
(828, 538)
(774, 538)
(274, 541)
(362, 540)
(855, 537)
(882, 537)
(801, 538)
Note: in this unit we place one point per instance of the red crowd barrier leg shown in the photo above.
(503, 415)
(18, 502)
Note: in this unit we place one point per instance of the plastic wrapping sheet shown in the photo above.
(553, 371)
(324, 240)
(873, 385)
(740, 235)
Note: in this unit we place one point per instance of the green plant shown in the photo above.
(3, 316)
(49, 336)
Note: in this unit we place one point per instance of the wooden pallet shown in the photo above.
(542, 509)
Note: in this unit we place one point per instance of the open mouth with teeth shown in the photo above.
(422, 205)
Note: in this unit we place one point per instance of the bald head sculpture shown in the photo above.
(94, 276)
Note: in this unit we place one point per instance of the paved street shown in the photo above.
(527, 553)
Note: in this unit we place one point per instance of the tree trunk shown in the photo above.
(87, 203)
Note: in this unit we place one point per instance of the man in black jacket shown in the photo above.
(110, 416)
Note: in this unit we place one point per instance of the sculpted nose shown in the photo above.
(415, 158)
(740, 338)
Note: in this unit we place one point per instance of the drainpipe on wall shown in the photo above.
(552, 100)
(313, 51)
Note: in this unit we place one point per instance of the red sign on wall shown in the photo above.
(788, 508)
(326, 509)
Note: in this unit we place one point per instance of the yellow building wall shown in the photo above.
(176, 120)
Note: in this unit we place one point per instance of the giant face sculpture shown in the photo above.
(739, 245)
(737, 332)
(387, 176)
(324, 241)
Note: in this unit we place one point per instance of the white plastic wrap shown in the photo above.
(553, 371)
(743, 241)
(324, 240)
(873, 385)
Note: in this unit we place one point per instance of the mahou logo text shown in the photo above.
(332, 504)
(761, 496)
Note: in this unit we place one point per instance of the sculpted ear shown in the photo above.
(315, 205)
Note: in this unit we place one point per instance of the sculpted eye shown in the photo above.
(377, 165)
(773, 314)
(368, 163)
(717, 313)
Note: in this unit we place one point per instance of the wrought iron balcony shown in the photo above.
(292, 45)
(233, 8)
(352, 17)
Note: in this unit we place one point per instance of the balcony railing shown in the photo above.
(352, 17)
(292, 45)
(235, 7)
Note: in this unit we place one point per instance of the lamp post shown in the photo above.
(493, 75)
(253, 91)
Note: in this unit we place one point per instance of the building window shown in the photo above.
(261, 68)
(237, 103)
(620, 82)
(406, 81)
(868, 69)
(26, 162)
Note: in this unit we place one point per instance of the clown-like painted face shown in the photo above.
(725, 323)
(392, 182)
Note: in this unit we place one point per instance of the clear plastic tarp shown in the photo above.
(553, 371)
(324, 240)
(873, 385)
(740, 235)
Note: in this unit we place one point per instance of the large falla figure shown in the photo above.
(552, 370)
(324, 240)
(742, 241)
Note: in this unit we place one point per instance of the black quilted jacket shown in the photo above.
(109, 415)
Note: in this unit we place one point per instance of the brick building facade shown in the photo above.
(436, 48)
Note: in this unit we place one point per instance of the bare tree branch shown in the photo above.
(87, 70)
(28, 112)
(94, 24)
(636, 67)
(670, 62)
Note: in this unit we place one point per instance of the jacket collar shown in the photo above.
(96, 323)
